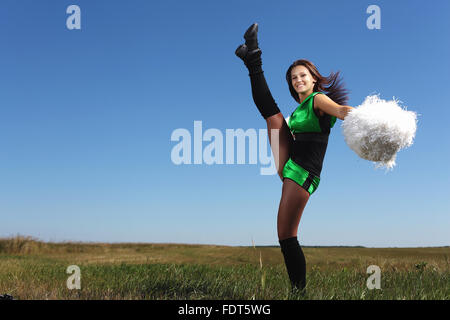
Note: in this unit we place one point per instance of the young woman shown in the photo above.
(301, 143)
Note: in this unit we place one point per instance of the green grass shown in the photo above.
(31, 269)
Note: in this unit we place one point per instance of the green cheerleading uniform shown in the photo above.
(311, 133)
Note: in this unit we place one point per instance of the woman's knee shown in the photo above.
(287, 225)
(286, 235)
(292, 203)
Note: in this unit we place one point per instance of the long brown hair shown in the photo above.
(332, 85)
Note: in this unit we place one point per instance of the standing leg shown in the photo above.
(292, 204)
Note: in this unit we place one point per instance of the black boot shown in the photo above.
(249, 52)
(251, 37)
(251, 59)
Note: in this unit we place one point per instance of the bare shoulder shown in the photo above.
(324, 104)
(319, 100)
(322, 98)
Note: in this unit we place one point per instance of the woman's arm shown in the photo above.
(324, 103)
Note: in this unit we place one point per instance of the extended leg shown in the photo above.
(277, 127)
(250, 53)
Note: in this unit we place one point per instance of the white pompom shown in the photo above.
(377, 129)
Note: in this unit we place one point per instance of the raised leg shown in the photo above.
(281, 141)
(280, 136)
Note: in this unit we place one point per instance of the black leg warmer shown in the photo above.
(295, 262)
(260, 90)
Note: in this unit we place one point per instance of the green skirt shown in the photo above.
(302, 177)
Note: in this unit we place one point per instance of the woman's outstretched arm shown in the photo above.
(324, 103)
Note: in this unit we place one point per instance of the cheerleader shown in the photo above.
(301, 142)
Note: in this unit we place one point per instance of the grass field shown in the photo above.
(31, 269)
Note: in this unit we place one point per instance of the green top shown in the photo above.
(304, 119)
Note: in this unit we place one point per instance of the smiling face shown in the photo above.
(302, 80)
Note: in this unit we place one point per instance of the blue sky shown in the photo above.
(86, 118)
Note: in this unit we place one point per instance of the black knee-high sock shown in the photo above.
(295, 262)
(260, 90)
